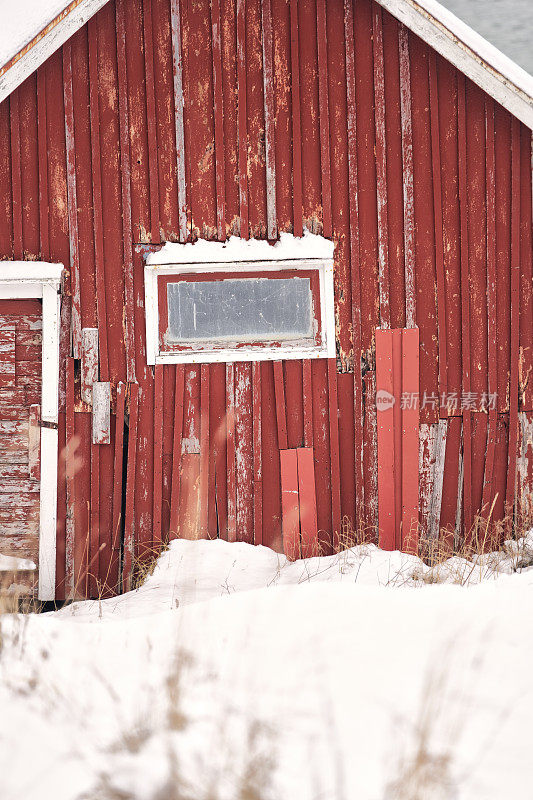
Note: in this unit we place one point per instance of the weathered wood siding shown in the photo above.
(177, 119)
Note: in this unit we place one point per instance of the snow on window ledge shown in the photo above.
(309, 255)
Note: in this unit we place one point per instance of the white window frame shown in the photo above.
(42, 280)
(215, 259)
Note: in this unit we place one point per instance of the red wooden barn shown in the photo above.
(368, 374)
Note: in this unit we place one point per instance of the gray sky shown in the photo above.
(507, 24)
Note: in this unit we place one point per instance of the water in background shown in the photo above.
(507, 24)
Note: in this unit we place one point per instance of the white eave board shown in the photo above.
(24, 34)
(484, 64)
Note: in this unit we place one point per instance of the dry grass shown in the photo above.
(488, 548)
(134, 750)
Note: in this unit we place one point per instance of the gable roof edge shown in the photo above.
(45, 43)
(484, 64)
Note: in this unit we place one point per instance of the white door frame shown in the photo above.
(40, 279)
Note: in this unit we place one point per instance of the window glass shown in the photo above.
(242, 309)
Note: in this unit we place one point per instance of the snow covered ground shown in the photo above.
(232, 673)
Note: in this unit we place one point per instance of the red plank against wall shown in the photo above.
(385, 431)
(397, 376)
(410, 414)
(307, 502)
(290, 504)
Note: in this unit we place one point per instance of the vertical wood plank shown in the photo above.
(491, 304)
(101, 401)
(354, 262)
(289, 504)
(129, 519)
(118, 459)
(204, 449)
(268, 89)
(219, 120)
(334, 453)
(244, 460)
(94, 586)
(257, 445)
(307, 392)
(385, 439)
(515, 314)
(125, 175)
(72, 200)
(407, 164)
(381, 168)
(42, 144)
(307, 502)
(281, 408)
(158, 456)
(437, 218)
(242, 118)
(230, 452)
(296, 123)
(89, 363)
(73, 565)
(433, 524)
(465, 301)
(410, 440)
(98, 222)
(151, 119)
(176, 451)
(323, 100)
(16, 175)
(177, 67)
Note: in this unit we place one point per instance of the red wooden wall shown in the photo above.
(295, 113)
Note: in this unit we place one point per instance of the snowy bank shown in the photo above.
(333, 678)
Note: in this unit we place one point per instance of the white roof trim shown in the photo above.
(484, 64)
(45, 43)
